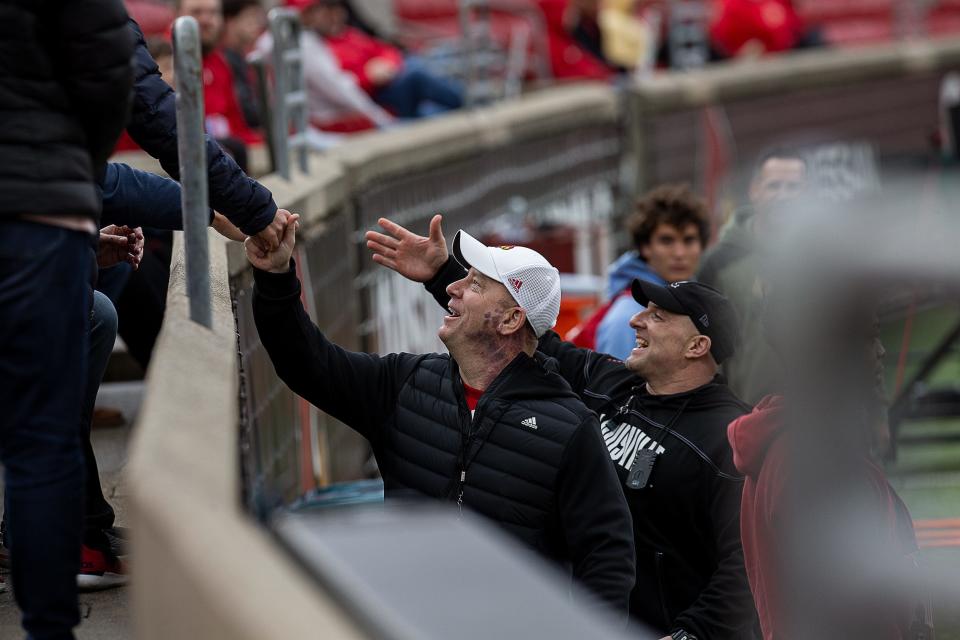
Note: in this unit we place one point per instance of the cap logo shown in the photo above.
(704, 320)
(507, 247)
(516, 284)
(675, 285)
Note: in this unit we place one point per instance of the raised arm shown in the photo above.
(357, 388)
(426, 259)
(153, 125)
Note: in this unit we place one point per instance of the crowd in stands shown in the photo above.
(359, 79)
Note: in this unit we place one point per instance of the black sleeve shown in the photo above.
(92, 51)
(580, 367)
(725, 606)
(359, 389)
(141, 199)
(595, 519)
(153, 126)
(449, 273)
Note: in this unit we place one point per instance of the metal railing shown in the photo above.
(289, 122)
(192, 150)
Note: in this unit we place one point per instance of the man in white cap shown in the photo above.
(663, 415)
(490, 426)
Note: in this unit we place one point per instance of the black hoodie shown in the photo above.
(530, 458)
(690, 572)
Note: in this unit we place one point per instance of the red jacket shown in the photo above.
(568, 59)
(224, 117)
(354, 49)
(760, 454)
(774, 23)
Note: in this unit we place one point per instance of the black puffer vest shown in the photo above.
(503, 462)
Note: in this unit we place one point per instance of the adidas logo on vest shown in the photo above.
(530, 422)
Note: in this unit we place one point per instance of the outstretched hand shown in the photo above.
(415, 257)
(274, 260)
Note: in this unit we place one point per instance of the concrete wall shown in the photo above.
(202, 567)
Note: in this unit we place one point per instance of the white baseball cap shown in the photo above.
(532, 281)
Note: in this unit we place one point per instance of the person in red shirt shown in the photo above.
(847, 512)
(224, 117)
(741, 27)
(400, 84)
(574, 54)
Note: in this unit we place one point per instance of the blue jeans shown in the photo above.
(415, 92)
(98, 514)
(45, 303)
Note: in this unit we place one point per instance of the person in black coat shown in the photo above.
(153, 125)
(64, 95)
(663, 418)
(490, 427)
(246, 203)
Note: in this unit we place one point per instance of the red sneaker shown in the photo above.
(99, 570)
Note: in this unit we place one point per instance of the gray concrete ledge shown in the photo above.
(787, 73)
(202, 567)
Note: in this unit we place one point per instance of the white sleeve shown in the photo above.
(327, 81)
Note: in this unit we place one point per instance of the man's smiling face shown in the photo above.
(476, 308)
(662, 339)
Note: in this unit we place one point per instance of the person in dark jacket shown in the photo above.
(663, 417)
(64, 96)
(131, 198)
(491, 427)
(242, 200)
(153, 126)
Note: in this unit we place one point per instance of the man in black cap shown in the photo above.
(663, 416)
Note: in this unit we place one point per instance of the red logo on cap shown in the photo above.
(516, 284)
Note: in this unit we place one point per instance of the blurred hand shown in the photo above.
(271, 236)
(226, 228)
(276, 260)
(417, 258)
(380, 71)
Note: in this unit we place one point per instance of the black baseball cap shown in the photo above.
(710, 311)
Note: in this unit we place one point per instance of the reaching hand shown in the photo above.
(276, 260)
(412, 256)
(272, 235)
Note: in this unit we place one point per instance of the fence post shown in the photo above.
(289, 95)
(192, 151)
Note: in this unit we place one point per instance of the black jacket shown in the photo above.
(153, 126)
(690, 572)
(533, 459)
(65, 79)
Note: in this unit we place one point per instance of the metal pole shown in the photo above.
(289, 121)
(191, 146)
(280, 30)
